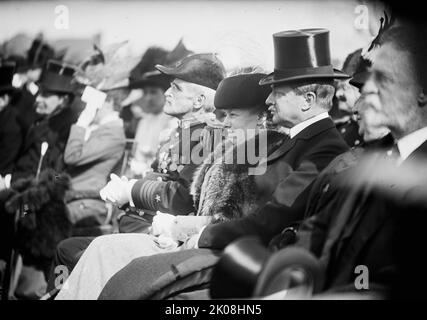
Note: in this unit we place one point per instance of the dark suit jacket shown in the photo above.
(359, 227)
(54, 130)
(291, 170)
(10, 139)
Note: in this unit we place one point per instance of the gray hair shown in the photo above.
(324, 91)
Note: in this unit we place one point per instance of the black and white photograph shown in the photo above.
(214, 154)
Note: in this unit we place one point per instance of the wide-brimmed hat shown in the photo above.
(302, 55)
(204, 69)
(7, 69)
(57, 76)
(241, 92)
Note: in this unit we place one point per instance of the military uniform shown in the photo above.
(166, 189)
(349, 130)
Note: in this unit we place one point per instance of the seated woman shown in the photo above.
(222, 190)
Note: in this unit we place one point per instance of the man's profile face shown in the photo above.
(179, 98)
(153, 99)
(285, 106)
(48, 102)
(391, 87)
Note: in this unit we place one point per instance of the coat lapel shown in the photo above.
(306, 134)
(420, 152)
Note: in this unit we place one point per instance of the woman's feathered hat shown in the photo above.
(106, 69)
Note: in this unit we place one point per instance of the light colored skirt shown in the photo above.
(104, 257)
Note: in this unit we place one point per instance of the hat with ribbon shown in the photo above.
(57, 76)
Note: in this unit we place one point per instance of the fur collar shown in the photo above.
(227, 191)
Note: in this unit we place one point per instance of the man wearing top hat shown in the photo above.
(55, 117)
(302, 91)
(301, 96)
(10, 130)
(228, 186)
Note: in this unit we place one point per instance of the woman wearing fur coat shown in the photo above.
(221, 189)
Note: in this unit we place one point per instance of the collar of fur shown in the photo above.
(227, 191)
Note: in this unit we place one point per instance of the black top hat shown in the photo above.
(302, 55)
(57, 77)
(7, 69)
(204, 69)
(241, 92)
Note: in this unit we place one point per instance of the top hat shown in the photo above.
(241, 92)
(57, 77)
(248, 268)
(7, 69)
(204, 69)
(302, 55)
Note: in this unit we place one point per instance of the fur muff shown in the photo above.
(44, 218)
(227, 191)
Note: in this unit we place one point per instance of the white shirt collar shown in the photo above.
(411, 142)
(301, 126)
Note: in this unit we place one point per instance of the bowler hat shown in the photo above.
(7, 69)
(57, 77)
(241, 92)
(204, 69)
(302, 55)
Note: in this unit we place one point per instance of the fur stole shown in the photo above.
(226, 191)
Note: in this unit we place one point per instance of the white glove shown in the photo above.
(5, 181)
(163, 224)
(117, 190)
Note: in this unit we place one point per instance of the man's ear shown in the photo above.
(422, 99)
(310, 98)
(199, 101)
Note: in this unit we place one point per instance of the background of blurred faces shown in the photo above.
(240, 31)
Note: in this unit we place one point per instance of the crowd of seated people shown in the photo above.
(301, 167)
